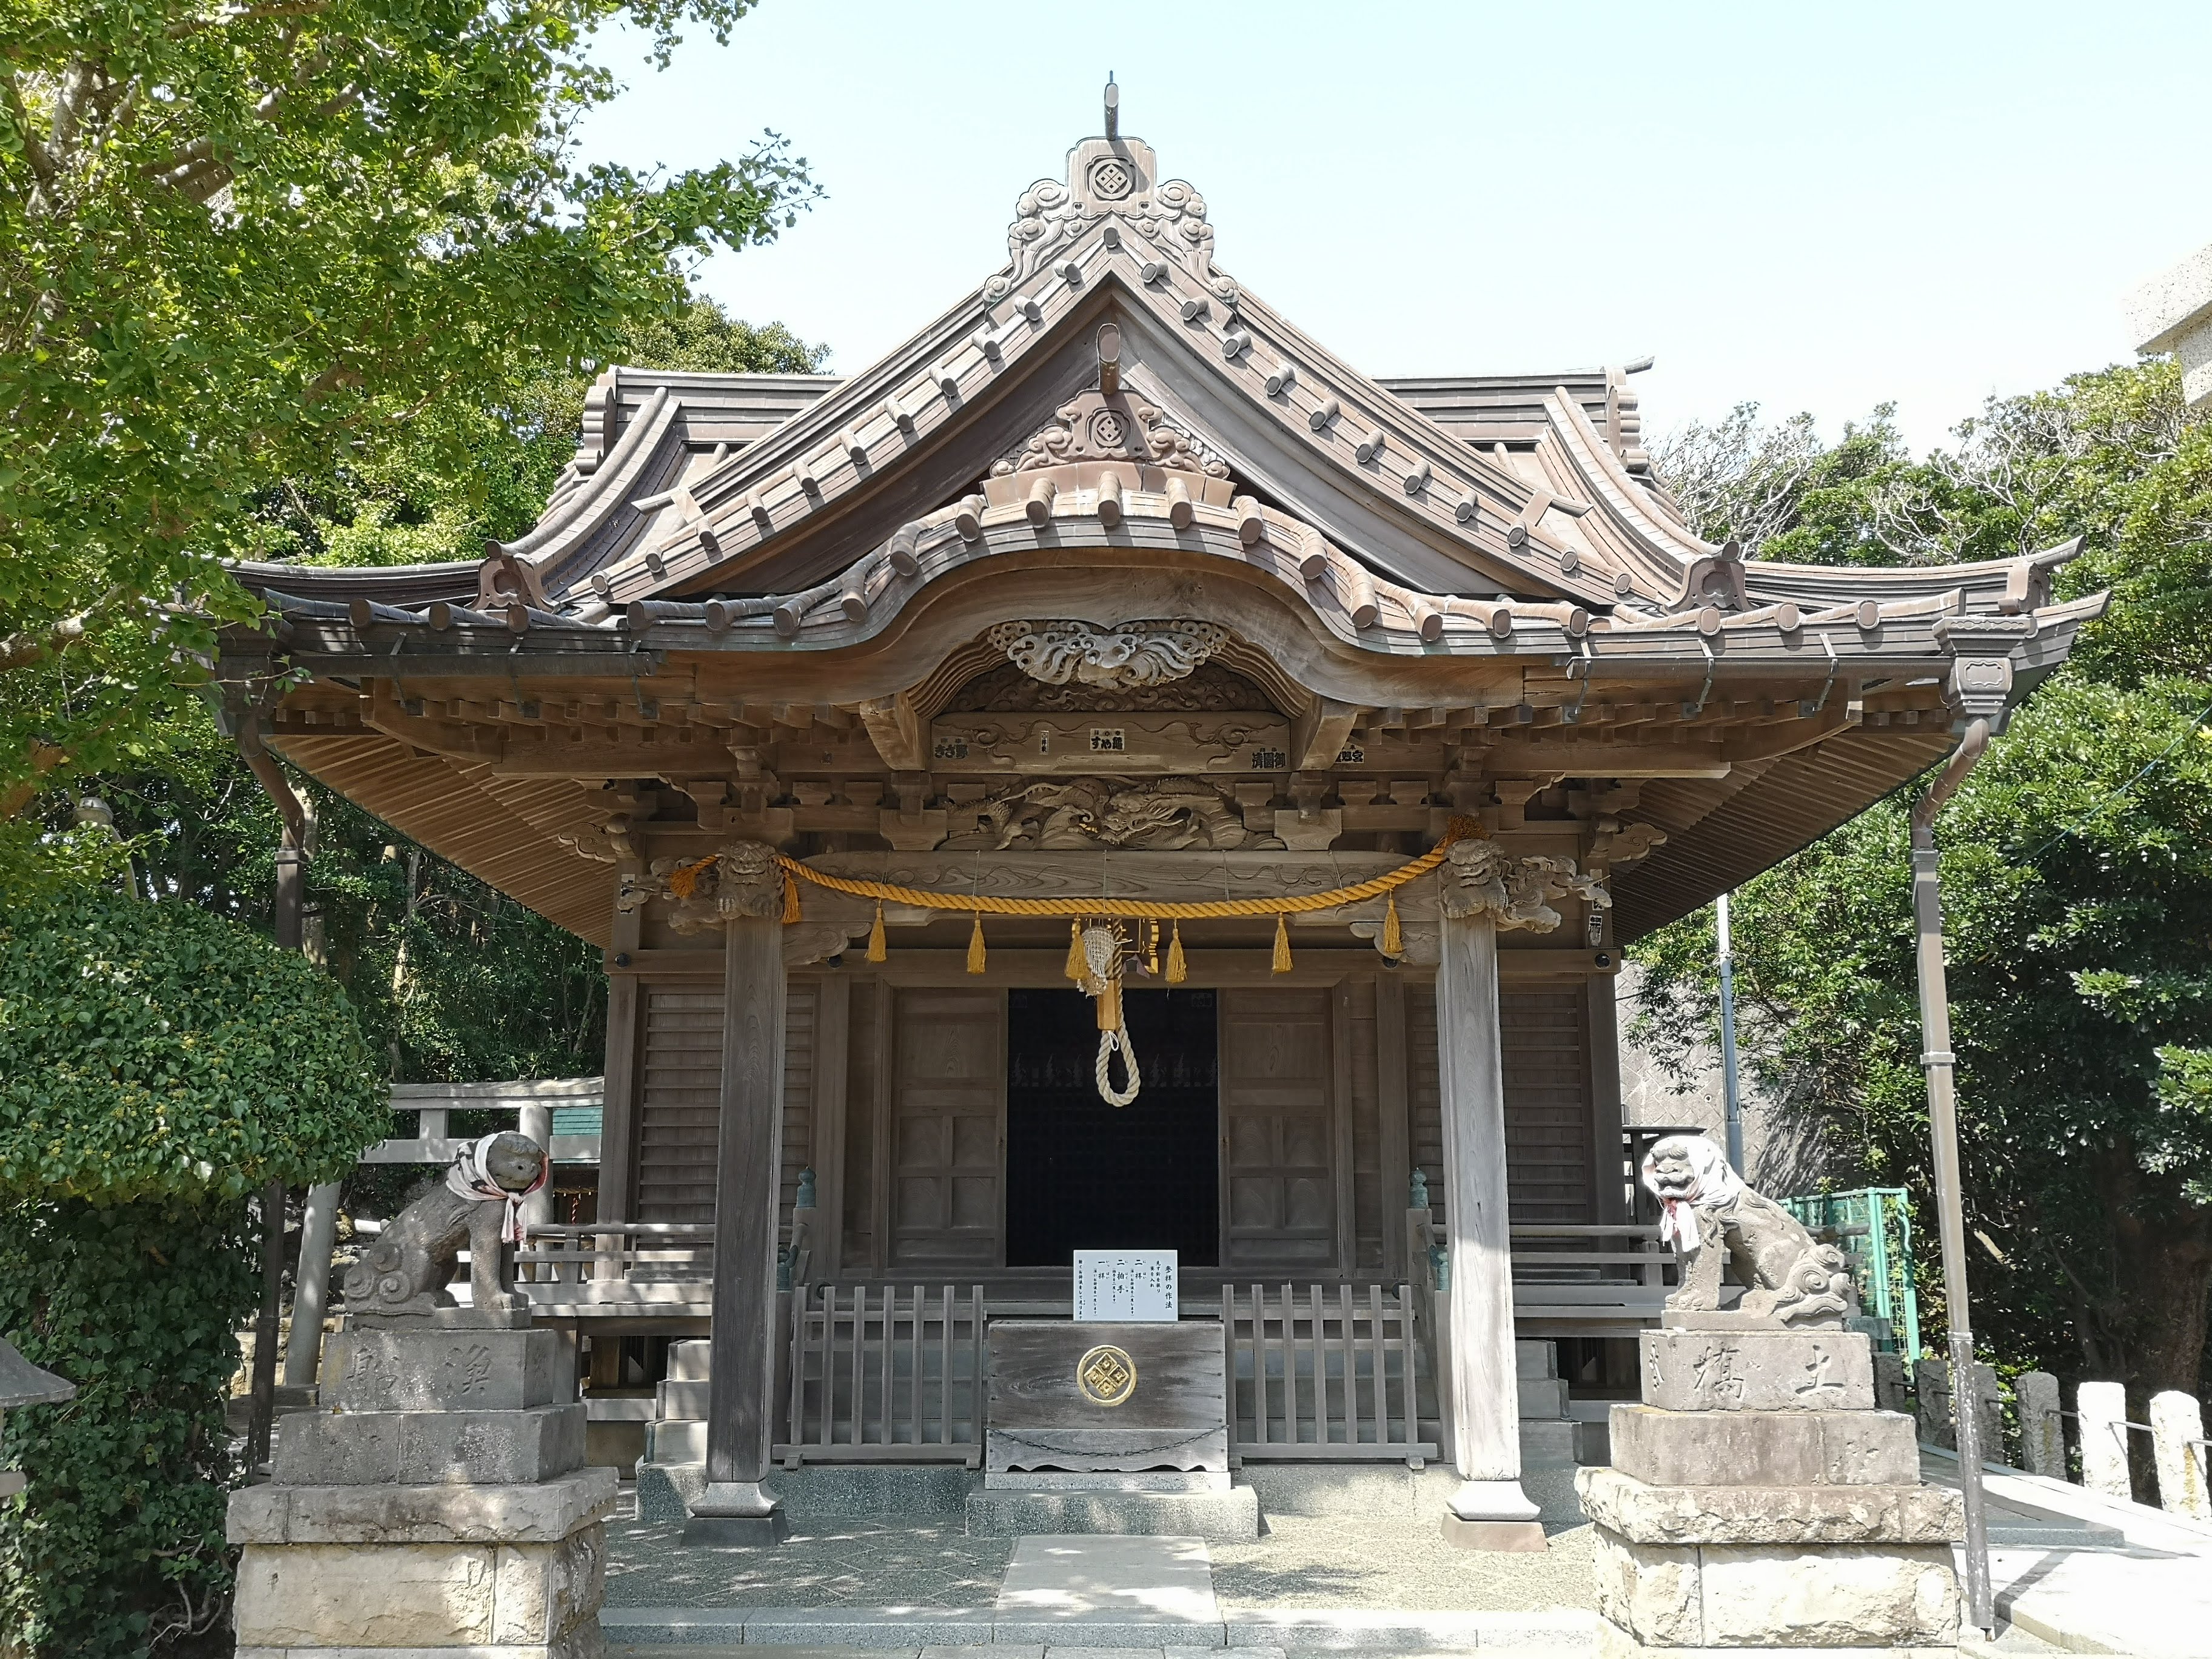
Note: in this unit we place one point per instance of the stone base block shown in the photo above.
(1219, 1517)
(493, 1447)
(438, 1597)
(1795, 1596)
(1740, 1370)
(545, 1513)
(1647, 1514)
(421, 1367)
(736, 1531)
(683, 1398)
(676, 1441)
(1507, 1537)
(1547, 1444)
(1764, 1448)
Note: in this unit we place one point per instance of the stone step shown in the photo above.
(1536, 1360)
(705, 1631)
(1219, 1517)
(690, 1362)
(1543, 1398)
(1547, 1444)
(684, 1399)
(679, 1440)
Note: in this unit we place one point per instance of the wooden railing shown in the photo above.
(1589, 1279)
(894, 1375)
(603, 1251)
(1328, 1374)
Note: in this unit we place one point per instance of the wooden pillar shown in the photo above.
(1489, 1507)
(740, 1428)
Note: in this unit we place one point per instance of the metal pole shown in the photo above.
(1936, 1060)
(1731, 1092)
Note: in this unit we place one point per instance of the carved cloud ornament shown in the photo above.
(1096, 426)
(1126, 657)
(1479, 878)
(741, 879)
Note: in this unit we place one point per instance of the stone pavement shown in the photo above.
(2126, 1579)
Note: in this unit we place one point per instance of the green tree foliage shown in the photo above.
(413, 504)
(2076, 869)
(156, 1062)
(157, 1051)
(238, 240)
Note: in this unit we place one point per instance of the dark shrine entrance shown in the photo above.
(1083, 1174)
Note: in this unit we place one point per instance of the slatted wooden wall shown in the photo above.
(679, 1088)
(1278, 1201)
(1545, 1036)
(1548, 1103)
(947, 1134)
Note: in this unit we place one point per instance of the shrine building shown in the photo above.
(1111, 678)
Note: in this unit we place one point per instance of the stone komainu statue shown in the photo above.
(1714, 1220)
(479, 1204)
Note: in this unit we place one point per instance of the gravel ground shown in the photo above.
(862, 1562)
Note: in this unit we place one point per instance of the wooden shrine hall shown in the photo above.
(1111, 690)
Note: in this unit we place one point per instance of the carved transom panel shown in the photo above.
(1175, 814)
(1209, 688)
(1125, 657)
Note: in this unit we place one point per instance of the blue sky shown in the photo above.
(1810, 207)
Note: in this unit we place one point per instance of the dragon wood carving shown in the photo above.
(1479, 878)
(1128, 656)
(1161, 815)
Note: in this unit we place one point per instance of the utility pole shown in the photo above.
(1730, 1090)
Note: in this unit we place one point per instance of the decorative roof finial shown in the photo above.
(1112, 108)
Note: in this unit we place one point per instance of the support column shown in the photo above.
(310, 1285)
(1490, 1510)
(740, 1430)
(1480, 890)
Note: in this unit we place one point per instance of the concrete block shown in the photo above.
(1842, 1596)
(1890, 1392)
(2102, 1408)
(909, 1628)
(1764, 1448)
(1547, 1444)
(544, 1513)
(1103, 1633)
(1734, 1597)
(396, 1369)
(1543, 1398)
(665, 1491)
(676, 1442)
(683, 1399)
(1534, 1361)
(836, 1491)
(546, 1590)
(1646, 1513)
(1221, 1517)
(2042, 1431)
(2177, 1426)
(497, 1448)
(1650, 1591)
(424, 1595)
(1736, 1370)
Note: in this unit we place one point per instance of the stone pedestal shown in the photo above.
(438, 1502)
(1757, 1500)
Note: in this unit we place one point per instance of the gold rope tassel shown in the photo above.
(1077, 970)
(790, 900)
(1178, 970)
(1282, 963)
(876, 951)
(975, 946)
(1394, 937)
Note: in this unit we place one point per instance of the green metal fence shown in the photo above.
(1873, 1226)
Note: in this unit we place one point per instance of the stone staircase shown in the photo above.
(1547, 1432)
(673, 1470)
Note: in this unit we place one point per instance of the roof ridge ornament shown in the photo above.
(1116, 178)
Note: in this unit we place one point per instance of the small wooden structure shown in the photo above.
(1109, 588)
